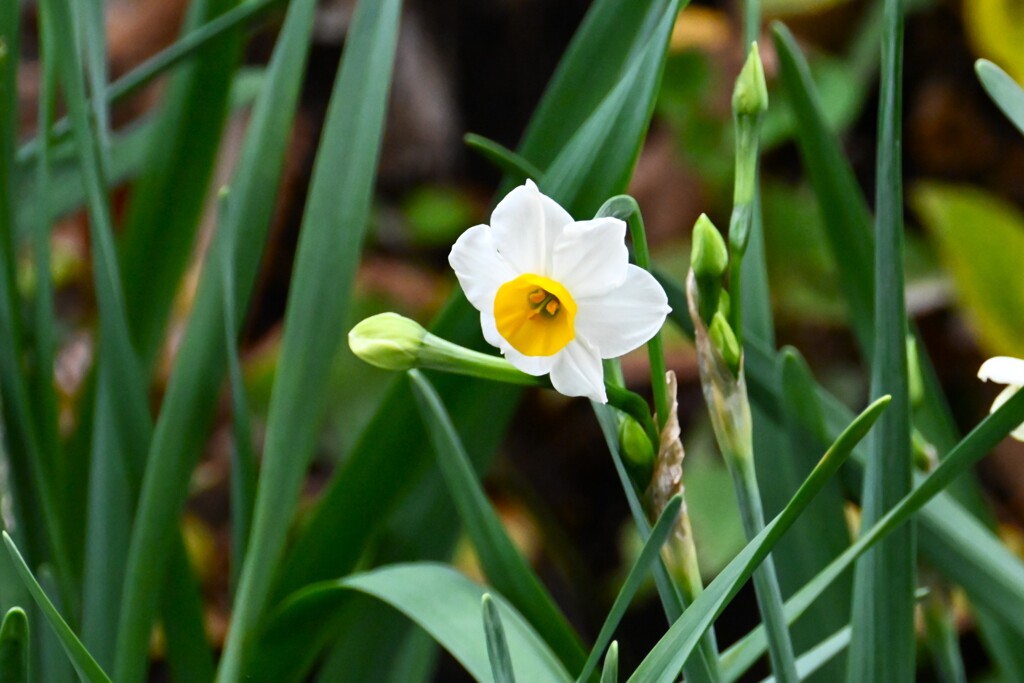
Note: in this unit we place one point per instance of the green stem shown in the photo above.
(626, 208)
(766, 583)
(751, 21)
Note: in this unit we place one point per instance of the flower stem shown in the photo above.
(766, 582)
(626, 208)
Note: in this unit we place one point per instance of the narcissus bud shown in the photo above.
(750, 96)
(724, 339)
(388, 341)
(709, 259)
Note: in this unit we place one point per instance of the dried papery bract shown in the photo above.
(666, 482)
(724, 392)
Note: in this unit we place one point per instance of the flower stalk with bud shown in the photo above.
(718, 330)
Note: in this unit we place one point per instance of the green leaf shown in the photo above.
(1003, 582)
(1003, 90)
(14, 646)
(610, 672)
(845, 213)
(167, 200)
(87, 668)
(675, 647)
(822, 533)
(985, 264)
(194, 387)
(444, 603)
(504, 566)
(329, 247)
(515, 167)
(637, 575)
(497, 646)
(825, 652)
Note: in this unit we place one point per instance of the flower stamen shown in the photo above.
(535, 315)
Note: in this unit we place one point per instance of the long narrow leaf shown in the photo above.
(85, 665)
(504, 566)
(664, 662)
(637, 575)
(979, 442)
(14, 635)
(497, 645)
(883, 590)
(195, 381)
(329, 248)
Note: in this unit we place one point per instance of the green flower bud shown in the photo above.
(388, 341)
(750, 96)
(724, 339)
(636, 444)
(709, 259)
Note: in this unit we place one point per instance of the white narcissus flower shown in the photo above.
(554, 294)
(1008, 371)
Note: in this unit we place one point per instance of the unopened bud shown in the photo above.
(709, 259)
(915, 379)
(636, 444)
(388, 341)
(724, 339)
(750, 96)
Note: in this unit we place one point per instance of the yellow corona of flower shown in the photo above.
(557, 295)
(1008, 371)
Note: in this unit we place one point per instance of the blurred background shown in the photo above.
(480, 66)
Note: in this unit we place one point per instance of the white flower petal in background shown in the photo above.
(555, 295)
(1002, 370)
(578, 372)
(625, 318)
(590, 257)
(1009, 371)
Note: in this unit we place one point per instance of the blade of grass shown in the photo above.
(883, 590)
(330, 240)
(173, 55)
(193, 389)
(926, 495)
(90, 20)
(502, 563)
(85, 665)
(167, 200)
(822, 534)
(497, 646)
(516, 168)
(25, 456)
(43, 329)
(664, 662)
(812, 661)
(243, 453)
(637, 575)
(14, 638)
(610, 672)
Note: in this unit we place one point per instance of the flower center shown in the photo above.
(535, 315)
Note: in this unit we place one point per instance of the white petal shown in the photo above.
(518, 226)
(625, 318)
(1004, 396)
(479, 267)
(1003, 370)
(590, 257)
(531, 365)
(578, 372)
